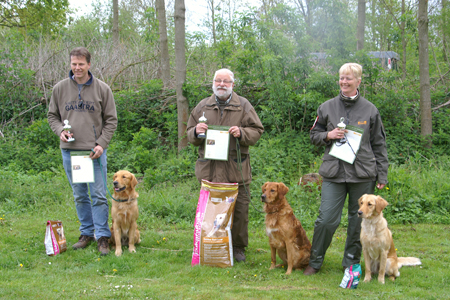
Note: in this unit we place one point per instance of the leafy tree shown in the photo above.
(43, 15)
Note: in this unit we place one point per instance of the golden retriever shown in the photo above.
(285, 232)
(377, 243)
(124, 212)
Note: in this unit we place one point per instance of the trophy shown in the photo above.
(341, 125)
(202, 119)
(67, 128)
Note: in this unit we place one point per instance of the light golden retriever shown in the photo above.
(285, 232)
(124, 212)
(377, 243)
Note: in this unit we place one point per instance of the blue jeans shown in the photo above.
(92, 216)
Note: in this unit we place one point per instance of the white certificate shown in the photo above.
(347, 151)
(82, 167)
(217, 142)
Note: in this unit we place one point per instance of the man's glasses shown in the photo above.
(224, 81)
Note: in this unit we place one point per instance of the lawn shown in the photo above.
(161, 268)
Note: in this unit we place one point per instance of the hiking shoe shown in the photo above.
(103, 245)
(83, 242)
(239, 254)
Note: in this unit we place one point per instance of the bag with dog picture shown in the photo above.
(212, 228)
(55, 241)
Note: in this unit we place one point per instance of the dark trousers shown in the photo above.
(330, 212)
(239, 230)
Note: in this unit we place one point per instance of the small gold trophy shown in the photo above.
(202, 119)
(67, 128)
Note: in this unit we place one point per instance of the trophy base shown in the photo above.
(201, 136)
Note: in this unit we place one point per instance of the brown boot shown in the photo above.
(310, 271)
(103, 245)
(83, 242)
(239, 254)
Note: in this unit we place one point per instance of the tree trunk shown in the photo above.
(213, 20)
(403, 28)
(180, 61)
(115, 22)
(164, 48)
(361, 24)
(425, 98)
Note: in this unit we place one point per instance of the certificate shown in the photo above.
(347, 151)
(82, 167)
(217, 142)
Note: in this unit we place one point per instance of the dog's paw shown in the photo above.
(118, 252)
(381, 279)
(272, 266)
(132, 249)
(367, 278)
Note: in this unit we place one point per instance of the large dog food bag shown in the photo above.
(212, 228)
(55, 241)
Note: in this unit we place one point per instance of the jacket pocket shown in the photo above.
(329, 168)
(202, 169)
(236, 175)
(366, 167)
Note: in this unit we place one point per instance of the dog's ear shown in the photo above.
(263, 187)
(380, 204)
(282, 189)
(134, 181)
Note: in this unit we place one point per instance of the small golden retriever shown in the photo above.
(377, 243)
(285, 232)
(124, 212)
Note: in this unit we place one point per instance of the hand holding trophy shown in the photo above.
(341, 125)
(202, 119)
(67, 128)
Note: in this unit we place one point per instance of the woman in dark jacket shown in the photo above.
(341, 176)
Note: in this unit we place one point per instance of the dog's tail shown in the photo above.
(408, 261)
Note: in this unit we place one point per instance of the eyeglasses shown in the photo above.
(224, 81)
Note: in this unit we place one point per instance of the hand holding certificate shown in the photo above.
(82, 167)
(346, 149)
(217, 142)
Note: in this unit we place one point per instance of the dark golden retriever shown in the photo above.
(285, 232)
(124, 212)
(377, 243)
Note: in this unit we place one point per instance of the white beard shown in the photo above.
(222, 92)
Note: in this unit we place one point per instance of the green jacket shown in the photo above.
(239, 112)
(93, 120)
(371, 163)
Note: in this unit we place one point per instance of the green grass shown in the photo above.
(161, 268)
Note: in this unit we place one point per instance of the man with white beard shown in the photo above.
(226, 108)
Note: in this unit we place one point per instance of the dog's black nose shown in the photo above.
(360, 213)
(115, 183)
(263, 198)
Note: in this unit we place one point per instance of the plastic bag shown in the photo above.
(55, 241)
(212, 228)
(351, 277)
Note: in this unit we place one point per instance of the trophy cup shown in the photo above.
(202, 119)
(67, 128)
(341, 125)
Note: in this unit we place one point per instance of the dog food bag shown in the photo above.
(212, 228)
(55, 241)
(351, 277)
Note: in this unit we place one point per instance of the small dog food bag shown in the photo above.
(212, 228)
(55, 241)
(351, 277)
